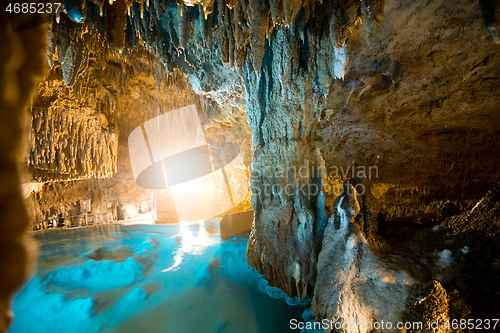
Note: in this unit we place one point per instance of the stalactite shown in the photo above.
(203, 27)
(241, 27)
(64, 35)
(72, 62)
(73, 133)
(52, 41)
(259, 20)
(277, 11)
(74, 10)
(116, 21)
(67, 144)
(183, 28)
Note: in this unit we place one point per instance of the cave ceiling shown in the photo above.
(419, 101)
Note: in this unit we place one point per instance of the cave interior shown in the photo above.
(350, 150)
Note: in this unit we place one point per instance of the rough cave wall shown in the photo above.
(89, 102)
(70, 141)
(21, 61)
(79, 134)
(421, 106)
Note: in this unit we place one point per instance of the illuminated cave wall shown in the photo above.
(79, 129)
(421, 106)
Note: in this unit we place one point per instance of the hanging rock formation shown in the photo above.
(67, 145)
(282, 107)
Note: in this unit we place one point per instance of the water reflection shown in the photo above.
(192, 242)
(107, 279)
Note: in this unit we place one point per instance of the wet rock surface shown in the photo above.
(302, 85)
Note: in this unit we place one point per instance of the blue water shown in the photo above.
(148, 278)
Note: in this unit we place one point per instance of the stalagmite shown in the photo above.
(354, 284)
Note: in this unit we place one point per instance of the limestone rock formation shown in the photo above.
(286, 55)
(295, 85)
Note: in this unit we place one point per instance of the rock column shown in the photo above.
(286, 173)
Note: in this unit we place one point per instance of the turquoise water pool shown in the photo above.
(148, 278)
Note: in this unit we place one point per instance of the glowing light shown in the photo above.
(190, 242)
(199, 189)
(170, 151)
